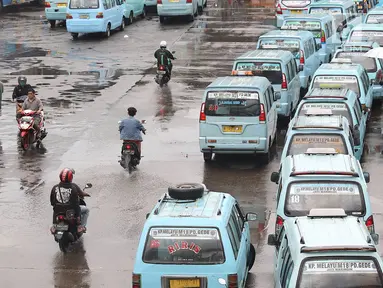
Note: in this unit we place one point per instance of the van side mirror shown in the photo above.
(88, 185)
(339, 29)
(271, 240)
(277, 95)
(173, 52)
(366, 176)
(251, 216)
(375, 237)
(147, 215)
(274, 177)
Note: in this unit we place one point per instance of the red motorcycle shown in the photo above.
(28, 135)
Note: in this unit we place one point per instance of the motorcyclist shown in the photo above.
(21, 89)
(33, 103)
(130, 129)
(163, 57)
(65, 196)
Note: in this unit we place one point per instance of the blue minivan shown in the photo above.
(94, 16)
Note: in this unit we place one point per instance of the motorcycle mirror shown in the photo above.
(143, 121)
(173, 52)
(88, 185)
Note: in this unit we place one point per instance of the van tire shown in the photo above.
(122, 27)
(52, 23)
(207, 156)
(186, 191)
(266, 157)
(75, 36)
(143, 14)
(200, 9)
(162, 19)
(107, 33)
(130, 20)
(251, 257)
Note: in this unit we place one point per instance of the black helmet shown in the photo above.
(132, 111)
(22, 80)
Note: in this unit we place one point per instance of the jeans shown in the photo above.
(84, 215)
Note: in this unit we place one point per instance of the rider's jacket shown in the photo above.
(65, 196)
(130, 129)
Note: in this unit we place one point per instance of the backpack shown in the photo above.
(162, 58)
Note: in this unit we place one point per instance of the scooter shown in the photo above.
(130, 154)
(65, 231)
(28, 135)
(163, 75)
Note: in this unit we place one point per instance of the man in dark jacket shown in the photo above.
(21, 89)
(163, 57)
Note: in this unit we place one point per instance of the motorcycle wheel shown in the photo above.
(161, 81)
(24, 142)
(64, 243)
(126, 161)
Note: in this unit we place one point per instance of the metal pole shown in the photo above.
(1, 93)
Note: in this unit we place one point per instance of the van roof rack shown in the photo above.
(327, 213)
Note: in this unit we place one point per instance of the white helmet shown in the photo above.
(163, 44)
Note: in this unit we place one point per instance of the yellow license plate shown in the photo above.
(61, 4)
(84, 16)
(296, 11)
(237, 129)
(173, 1)
(185, 283)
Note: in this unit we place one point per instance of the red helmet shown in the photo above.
(66, 175)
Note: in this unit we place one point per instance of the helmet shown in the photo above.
(163, 44)
(66, 175)
(22, 80)
(132, 111)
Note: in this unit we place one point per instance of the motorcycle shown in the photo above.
(163, 75)
(129, 154)
(66, 232)
(28, 135)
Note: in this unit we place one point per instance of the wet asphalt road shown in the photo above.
(86, 86)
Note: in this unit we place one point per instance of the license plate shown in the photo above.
(84, 16)
(161, 72)
(296, 11)
(61, 227)
(61, 4)
(185, 283)
(174, 1)
(237, 129)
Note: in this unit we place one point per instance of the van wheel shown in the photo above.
(130, 21)
(200, 10)
(75, 36)
(266, 157)
(122, 27)
(186, 191)
(191, 18)
(162, 19)
(207, 156)
(143, 14)
(52, 23)
(251, 259)
(107, 33)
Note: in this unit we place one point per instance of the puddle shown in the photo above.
(11, 51)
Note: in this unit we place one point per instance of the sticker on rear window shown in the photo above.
(324, 188)
(233, 95)
(303, 25)
(332, 106)
(334, 78)
(185, 232)
(316, 139)
(279, 44)
(365, 33)
(340, 266)
(374, 19)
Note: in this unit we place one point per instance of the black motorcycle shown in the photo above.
(65, 231)
(163, 74)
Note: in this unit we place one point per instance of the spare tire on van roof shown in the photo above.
(186, 191)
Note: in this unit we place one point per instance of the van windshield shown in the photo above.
(336, 12)
(345, 272)
(296, 3)
(272, 71)
(337, 82)
(281, 44)
(374, 19)
(358, 58)
(301, 142)
(83, 4)
(232, 103)
(366, 36)
(181, 245)
(312, 26)
(337, 108)
(303, 196)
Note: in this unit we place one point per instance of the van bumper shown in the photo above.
(175, 10)
(85, 26)
(223, 145)
(55, 13)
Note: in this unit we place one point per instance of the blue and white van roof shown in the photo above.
(260, 54)
(256, 82)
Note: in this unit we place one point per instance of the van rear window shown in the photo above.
(358, 58)
(367, 36)
(326, 10)
(345, 272)
(337, 108)
(301, 142)
(303, 196)
(374, 19)
(84, 4)
(337, 82)
(281, 44)
(296, 3)
(272, 71)
(312, 26)
(183, 245)
(232, 103)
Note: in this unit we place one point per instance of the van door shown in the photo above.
(134, 4)
(108, 15)
(294, 83)
(115, 15)
(120, 12)
(272, 114)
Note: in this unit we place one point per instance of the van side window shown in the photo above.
(108, 4)
(313, 45)
(295, 68)
(239, 215)
(105, 4)
(358, 110)
(234, 244)
(288, 76)
(290, 69)
(286, 259)
(237, 231)
(328, 30)
(351, 138)
(113, 3)
(267, 99)
(365, 82)
(279, 190)
(271, 95)
(281, 236)
(306, 50)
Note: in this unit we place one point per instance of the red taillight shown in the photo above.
(232, 281)
(279, 9)
(284, 82)
(262, 115)
(162, 68)
(128, 147)
(68, 16)
(47, 5)
(136, 280)
(189, 1)
(278, 224)
(323, 37)
(202, 115)
(370, 224)
(159, 1)
(100, 15)
(301, 58)
(61, 218)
